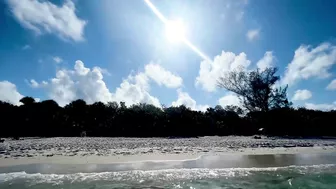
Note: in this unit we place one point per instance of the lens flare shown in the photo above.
(175, 31)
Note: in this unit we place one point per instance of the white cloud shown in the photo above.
(302, 95)
(45, 17)
(202, 108)
(332, 85)
(252, 34)
(229, 99)
(88, 84)
(9, 93)
(323, 107)
(34, 84)
(79, 83)
(234, 10)
(267, 61)
(185, 99)
(162, 76)
(210, 71)
(310, 62)
(135, 89)
(104, 71)
(26, 47)
(57, 59)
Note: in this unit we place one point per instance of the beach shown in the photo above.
(204, 162)
(113, 150)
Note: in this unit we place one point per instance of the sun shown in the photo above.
(175, 31)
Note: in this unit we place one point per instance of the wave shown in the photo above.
(162, 175)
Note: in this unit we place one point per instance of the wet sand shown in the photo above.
(205, 161)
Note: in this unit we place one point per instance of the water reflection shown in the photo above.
(209, 161)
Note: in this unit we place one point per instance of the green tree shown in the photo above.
(256, 89)
(77, 115)
(27, 100)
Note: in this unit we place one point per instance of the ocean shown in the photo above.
(305, 177)
(321, 176)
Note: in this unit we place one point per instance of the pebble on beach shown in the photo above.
(49, 147)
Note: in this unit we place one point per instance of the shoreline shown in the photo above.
(158, 157)
(88, 150)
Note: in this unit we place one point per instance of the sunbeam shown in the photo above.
(156, 11)
(180, 36)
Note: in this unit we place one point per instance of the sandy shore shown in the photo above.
(120, 150)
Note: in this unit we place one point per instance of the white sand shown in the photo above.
(114, 150)
(108, 159)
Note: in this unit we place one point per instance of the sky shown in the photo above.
(164, 52)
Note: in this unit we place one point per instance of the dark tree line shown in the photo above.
(47, 119)
(263, 106)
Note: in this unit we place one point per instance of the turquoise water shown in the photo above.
(296, 177)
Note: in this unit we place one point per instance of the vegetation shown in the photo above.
(256, 89)
(47, 119)
(264, 107)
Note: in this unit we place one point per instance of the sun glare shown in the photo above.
(175, 31)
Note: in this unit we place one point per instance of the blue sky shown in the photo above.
(111, 50)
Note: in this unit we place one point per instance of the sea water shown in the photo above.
(303, 177)
(297, 171)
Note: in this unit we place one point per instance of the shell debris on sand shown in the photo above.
(134, 146)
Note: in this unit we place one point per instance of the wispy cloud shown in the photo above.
(46, 17)
(253, 34)
(26, 47)
(239, 15)
(332, 85)
(57, 59)
(302, 95)
(323, 107)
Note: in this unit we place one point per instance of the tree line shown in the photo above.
(263, 106)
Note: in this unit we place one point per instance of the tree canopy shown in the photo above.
(267, 107)
(256, 89)
(48, 119)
